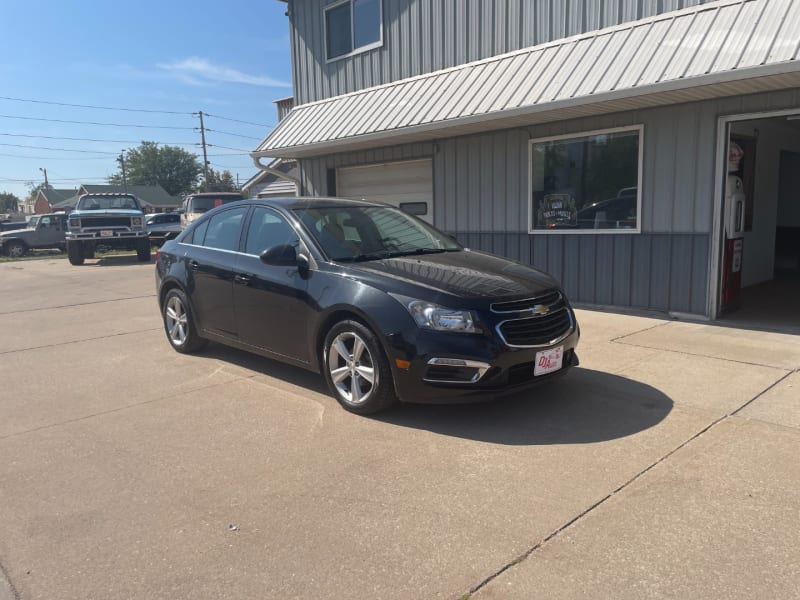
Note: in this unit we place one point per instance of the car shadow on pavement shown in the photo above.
(122, 260)
(583, 407)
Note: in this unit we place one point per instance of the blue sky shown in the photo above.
(230, 60)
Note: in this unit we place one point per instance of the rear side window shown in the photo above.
(223, 229)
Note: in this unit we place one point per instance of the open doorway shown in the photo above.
(765, 181)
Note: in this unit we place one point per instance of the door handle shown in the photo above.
(194, 265)
(242, 279)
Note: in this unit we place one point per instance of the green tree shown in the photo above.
(8, 202)
(218, 181)
(173, 168)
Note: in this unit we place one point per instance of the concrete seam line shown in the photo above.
(656, 326)
(7, 589)
(522, 557)
(29, 310)
(91, 339)
(731, 360)
(121, 408)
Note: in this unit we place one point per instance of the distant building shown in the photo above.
(154, 198)
(46, 199)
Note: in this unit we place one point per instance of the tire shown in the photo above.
(179, 323)
(143, 250)
(16, 249)
(356, 369)
(88, 249)
(75, 253)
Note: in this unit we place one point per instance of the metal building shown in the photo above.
(596, 139)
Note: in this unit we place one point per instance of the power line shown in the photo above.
(59, 149)
(142, 110)
(55, 157)
(95, 123)
(77, 139)
(249, 137)
(228, 148)
(239, 121)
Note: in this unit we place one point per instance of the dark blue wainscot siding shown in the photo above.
(663, 272)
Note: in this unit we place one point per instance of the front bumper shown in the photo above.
(491, 368)
(96, 235)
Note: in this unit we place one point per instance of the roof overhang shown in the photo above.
(726, 48)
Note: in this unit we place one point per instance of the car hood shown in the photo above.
(465, 274)
(111, 211)
(16, 232)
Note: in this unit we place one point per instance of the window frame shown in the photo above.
(639, 128)
(353, 51)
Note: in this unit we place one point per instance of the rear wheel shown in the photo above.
(143, 250)
(75, 253)
(16, 249)
(179, 323)
(356, 369)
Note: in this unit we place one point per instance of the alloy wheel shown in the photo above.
(177, 321)
(352, 369)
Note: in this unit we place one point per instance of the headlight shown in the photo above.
(432, 316)
(76, 223)
(136, 221)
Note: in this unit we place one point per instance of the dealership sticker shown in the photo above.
(548, 361)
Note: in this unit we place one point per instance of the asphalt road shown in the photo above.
(666, 466)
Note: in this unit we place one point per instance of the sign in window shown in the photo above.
(586, 183)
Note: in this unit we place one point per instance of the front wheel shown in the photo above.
(179, 324)
(356, 369)
(16, 249)
(143, 250)
(75, 253)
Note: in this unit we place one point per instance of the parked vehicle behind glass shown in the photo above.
(382, 304)
(198, 204)
(162, 227)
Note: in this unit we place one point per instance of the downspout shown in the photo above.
(277, 173)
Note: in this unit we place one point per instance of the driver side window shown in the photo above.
(267, 229)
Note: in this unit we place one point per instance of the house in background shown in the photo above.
(589, 138)
(154, 198)
(47, 199)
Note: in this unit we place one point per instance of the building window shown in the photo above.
(352, 26)
(587, 183)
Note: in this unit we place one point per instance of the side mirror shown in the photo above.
(283, 255)
(180, 211)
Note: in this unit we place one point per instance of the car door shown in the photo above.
(210, 271)
(273, 309)
(46, 232)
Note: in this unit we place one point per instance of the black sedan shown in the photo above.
(380, 302)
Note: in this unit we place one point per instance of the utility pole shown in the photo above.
(46, 185)
(121, 161)
(205, 154)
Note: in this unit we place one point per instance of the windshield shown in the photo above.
(33, 222)
(108, 203)
(204, 204)
(351, 233)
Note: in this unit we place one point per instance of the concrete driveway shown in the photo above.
(666, 466)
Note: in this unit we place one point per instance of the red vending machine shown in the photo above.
(734, 234)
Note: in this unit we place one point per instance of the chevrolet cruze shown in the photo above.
(385, 306)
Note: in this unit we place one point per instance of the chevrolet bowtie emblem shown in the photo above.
(541, 309)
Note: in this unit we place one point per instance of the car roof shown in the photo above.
(291, 202)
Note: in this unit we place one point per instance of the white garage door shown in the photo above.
(407, 185)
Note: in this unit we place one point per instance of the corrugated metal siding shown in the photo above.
(481, 185)
(679, 50)
(426, 35)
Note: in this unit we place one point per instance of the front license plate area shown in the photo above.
(548, 361)
(106, 233)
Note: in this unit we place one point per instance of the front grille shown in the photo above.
(105, 222)
(552, 299)
(536, 331)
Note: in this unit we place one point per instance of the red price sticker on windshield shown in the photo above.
(217, 202)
